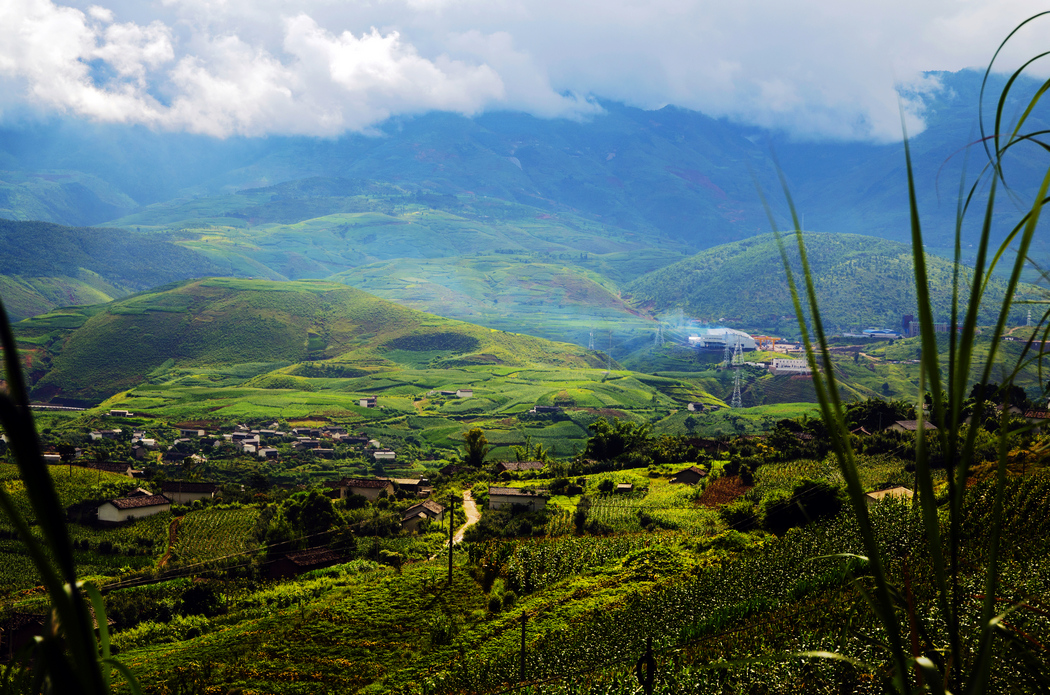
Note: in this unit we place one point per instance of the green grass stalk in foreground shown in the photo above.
(959, 658)
(67, 658)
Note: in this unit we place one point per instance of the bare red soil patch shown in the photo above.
(722, 491)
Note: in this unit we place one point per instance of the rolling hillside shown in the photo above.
(97, 352)
(860, 282)
(47, 265)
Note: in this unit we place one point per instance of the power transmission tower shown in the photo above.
(590, 343)
(659, 336)
(738, 362)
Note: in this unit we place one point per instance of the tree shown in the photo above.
(475, 448)
(611, 439)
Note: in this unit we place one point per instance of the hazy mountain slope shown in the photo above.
(47, 265)
(860, 282)
(534, 294)
(223, 321)
(674, 172)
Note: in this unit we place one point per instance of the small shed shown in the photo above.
(124, 508)
(296, 562)
(891, 493)
(624, 488)
(689, 476)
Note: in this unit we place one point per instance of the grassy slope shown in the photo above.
(547, 297)
(47, 265)
(221, 321)
(860, 282)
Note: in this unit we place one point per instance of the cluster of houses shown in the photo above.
(261, 442)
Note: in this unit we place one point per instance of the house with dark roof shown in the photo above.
(184, 491)
(689, 476)
(124, 508)
(369, 488)
(294, 563)
(519, 466)
(412, 486)
(911, 426)
(514, 498)
(624, 488)
(417, 513)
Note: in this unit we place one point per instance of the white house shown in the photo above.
(120, 510)
(465, 393)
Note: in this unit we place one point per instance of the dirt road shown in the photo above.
(473, 515)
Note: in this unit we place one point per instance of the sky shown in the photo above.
(823, 70)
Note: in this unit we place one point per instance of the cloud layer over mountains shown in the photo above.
(316, 67)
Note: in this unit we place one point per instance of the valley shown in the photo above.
(253, 384)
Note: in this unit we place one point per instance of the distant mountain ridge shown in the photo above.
(672, 172)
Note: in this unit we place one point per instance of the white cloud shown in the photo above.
(813, 68)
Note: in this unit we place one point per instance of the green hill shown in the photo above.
(46, 265)
(860, 282)
(231, 322)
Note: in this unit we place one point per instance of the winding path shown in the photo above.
(473, 516)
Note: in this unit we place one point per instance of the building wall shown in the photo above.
(185, 497)
(370, 493)
(508, 501)
(783, 365)
(107, 512)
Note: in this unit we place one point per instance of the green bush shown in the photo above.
(740, 515)
(810, 500)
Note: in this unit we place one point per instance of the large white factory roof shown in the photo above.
(720, 337)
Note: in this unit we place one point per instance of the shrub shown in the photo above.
(740, 515)
(809, 500)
